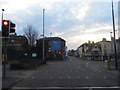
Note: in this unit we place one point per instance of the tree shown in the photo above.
(31, 34)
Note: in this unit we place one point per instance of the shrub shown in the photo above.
(26, 64)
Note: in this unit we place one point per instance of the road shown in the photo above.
(73, 72)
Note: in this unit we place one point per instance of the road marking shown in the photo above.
(87, 63)
(69, 77)
(32, 77)
(86, 77)
(51, 77)
(104, 77)
(60, 77)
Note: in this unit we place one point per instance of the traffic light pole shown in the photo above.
(4, 59)
(5, 52)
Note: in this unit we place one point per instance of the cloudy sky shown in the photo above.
(76, 21)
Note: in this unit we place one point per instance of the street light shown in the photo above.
(115, 53)
(111, 43)
(51, 34)
(2, 13)
(110, 34)
(2, 17)
(43, 39)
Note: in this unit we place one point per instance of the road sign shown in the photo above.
(55, 45)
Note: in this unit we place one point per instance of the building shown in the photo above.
(91, 51)
(82, 50)
(16, 46)
(54, 48)
(105, 48)
(16, 42)
(117, 47)
(96, 52)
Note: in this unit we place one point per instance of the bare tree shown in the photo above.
(31, 34)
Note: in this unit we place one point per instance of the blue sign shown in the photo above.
(55, 45)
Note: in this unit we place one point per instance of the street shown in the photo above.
(73, 72)
(72, 44)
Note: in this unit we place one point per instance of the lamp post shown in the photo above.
(2, 13)
(43, 39)
(51, 34)
(111, 43)
(116, 33)
(2, 17)
(115, 51)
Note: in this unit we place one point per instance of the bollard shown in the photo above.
(106, 63)
(3, 57)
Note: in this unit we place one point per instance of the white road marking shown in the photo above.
(87, 64)
(69, 77)
(104, 77)
(51, 77)
(60, 77)
(32, 77)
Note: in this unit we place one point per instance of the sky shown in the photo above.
(76, 21)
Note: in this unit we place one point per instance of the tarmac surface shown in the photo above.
(73, 73)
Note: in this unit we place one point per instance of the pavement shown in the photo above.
(14, 76)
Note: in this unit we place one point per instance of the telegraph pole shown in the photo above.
(115, 51)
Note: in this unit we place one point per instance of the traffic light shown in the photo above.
(12, 26)
(5, 28)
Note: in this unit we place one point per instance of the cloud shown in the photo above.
(14, 5)
(55, 33)
(94, 28)
(80, 34)
(3, 2)
(58, 34)
(80, 10)
(16, 19)
(29, 12)
(76, 21)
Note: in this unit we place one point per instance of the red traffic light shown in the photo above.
(7, 27)
(5, 23)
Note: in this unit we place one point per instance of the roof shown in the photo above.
(118, 40)
(52, 38)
